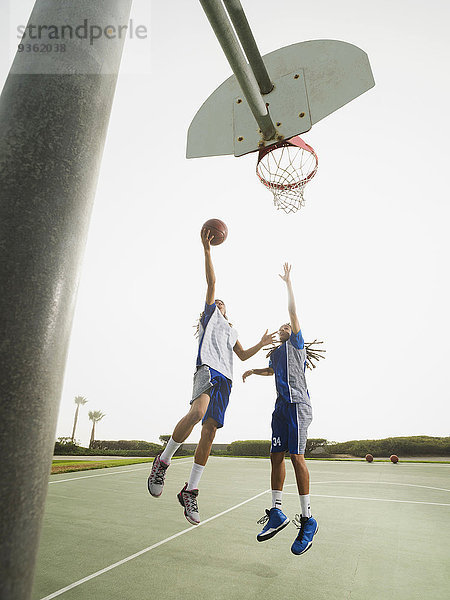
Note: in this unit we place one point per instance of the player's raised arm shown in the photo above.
(266, 371)
(209, 268)
(286, 277)
(267, 339)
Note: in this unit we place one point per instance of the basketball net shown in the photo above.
(285, 168)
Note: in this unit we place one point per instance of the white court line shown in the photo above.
(112, 472)
(427, 487)
(386, 462)
(376, 499)
(128, 558)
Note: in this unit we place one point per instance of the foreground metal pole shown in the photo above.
(223, 29)
(242, 27)
(54, 113)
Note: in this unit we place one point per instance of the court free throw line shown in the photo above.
(128, 558)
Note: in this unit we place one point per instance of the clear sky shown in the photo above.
(370, 250)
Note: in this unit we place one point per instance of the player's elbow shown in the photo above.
(242, 355)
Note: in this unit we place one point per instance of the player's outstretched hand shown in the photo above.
(268, 338)
(206, 238)
(286, 277)
(247, 374)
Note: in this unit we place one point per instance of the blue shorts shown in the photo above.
(218, 387)
(290, 422)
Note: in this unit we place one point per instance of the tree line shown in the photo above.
(402, 446)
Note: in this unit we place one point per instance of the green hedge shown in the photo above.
(105, 449)
(420, 445)
(262, 447)
(138, 447)
(249, 448)
(65, 447)
(314, 444)
(403, 446)
(123, 445)
(102, 452)
(114, 448)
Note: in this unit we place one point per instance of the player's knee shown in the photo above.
(276, 457)
(209, 436)
(195, 416)
(298, 459)
(209, 431)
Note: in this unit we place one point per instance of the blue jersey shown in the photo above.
(289, 364)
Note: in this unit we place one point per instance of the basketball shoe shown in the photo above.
(155, 481)
(308, 528)
(188, 499)
(276, 521)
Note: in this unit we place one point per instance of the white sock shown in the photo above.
(305, 505)
(194, 479)
(276, 498)
(169, 450)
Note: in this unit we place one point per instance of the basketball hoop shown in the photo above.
(285, 168)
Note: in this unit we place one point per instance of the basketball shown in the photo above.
(369, 457)
(218, 229)
(393, 458)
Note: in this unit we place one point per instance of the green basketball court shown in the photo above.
(384, 534)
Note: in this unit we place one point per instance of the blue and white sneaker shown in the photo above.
(308, 528)
(276, 521)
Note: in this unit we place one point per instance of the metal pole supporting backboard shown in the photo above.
(54, 113)
(242, 27)
(223, 29)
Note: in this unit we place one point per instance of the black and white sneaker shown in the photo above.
(155, 482)
(188, 499)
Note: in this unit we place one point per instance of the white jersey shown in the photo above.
(216, 342)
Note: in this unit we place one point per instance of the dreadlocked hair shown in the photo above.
(312, 354)
(197, 325)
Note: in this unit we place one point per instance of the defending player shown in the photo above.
(290, 421)
(212, 387)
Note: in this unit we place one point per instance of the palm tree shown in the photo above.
(78, 400)
(94, 416)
